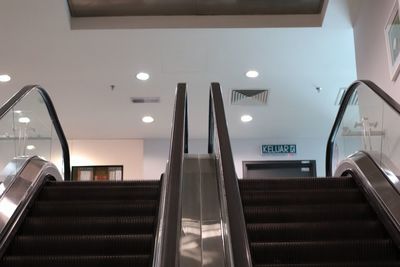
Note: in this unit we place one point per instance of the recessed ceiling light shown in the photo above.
(147, 119)
(246, 118)
(252, 74)
(5, 78)
(30, 147)
(17, 111)
(24, 120)
(143, 76)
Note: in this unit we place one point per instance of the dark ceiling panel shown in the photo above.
(104, 8)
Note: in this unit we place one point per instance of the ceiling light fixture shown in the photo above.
(246, 118)
(5, 78)
(24, 120)
(143, 76)
(147, 119)
(17, 111)
(30, 147)
(252, 74)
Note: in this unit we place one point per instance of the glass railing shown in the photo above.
(29, 127)
(368, 120)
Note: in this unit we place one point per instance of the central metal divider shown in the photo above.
(202, 238)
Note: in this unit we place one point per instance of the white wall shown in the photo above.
(156, 153)
(127, 152)
(155, 157)
(369, 37)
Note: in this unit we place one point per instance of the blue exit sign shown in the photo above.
(279, 149)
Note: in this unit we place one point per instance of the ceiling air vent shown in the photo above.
(339, 98)
(252, 97)
(145, 100)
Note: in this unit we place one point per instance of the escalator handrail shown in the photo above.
(19, 195)
(342, 109)
(168, 230)
(237, 226)
(15, 99)
(380, 191)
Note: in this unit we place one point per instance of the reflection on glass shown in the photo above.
(25, 131)
(394, 34)
(371, 125)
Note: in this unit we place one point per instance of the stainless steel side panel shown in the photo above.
(213, 241)
(202, 242)
(190, 242)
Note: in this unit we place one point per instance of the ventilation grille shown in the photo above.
(253, 97)
(339, 98)
(145, 100)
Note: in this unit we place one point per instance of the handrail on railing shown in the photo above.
(169, 226)
(381, 193)
(342, 109)
(53, 116)
(237, 227)
(20, 194)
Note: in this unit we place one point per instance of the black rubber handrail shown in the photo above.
(169, 228)
(238, 233)
(342, 109)
(14, 100)
(186, 148)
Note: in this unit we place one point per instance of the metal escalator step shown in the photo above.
(303, 197)
(96, 193)
(339, 230)
(87, 225)
(307, 213)
(381, 263)
(94, 208)
(296, 183)
(320, 252)
(76, 260)
(147, 183)
(81, 245)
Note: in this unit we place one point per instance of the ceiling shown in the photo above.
(101, 8)
(77, 67)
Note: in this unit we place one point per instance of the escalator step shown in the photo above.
(307, 213)
(331, 251)
(297, 183)
(78, 260)
(302, 197)
(147, 184)
(87, 225)
(96, 193)
(81, 245)
(94, 208)
(347, 230)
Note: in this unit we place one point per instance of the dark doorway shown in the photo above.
(279, 169)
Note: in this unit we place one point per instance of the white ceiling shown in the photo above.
(77, 67)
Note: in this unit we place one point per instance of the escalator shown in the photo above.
(199, 213)
(88, 224)
(349, 219)
(48, 220)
